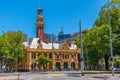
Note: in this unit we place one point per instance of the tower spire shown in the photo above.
(40, 25)
(40, 10)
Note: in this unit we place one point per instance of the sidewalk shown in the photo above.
(10, 76)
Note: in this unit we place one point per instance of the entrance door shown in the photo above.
(65, 66)
(73, 66)
(57, 66)
(33, 66)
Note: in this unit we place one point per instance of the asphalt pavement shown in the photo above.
(64, 75)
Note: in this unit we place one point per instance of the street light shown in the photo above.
(87, 59)
(81, 51)
(111, 39)
(110, 32)
(52, 55)
(3, 66)
(0, 66)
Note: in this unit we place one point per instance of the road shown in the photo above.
(58, 76)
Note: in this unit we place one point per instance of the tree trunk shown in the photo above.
(106, 62)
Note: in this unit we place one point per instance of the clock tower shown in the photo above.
(40, 25)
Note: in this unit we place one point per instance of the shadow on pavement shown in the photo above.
(3, 75)
(73, 75)
(104, 78)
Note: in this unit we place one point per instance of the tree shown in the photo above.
(11, 46)
(115, 25)
(43, 60)
(96, 40)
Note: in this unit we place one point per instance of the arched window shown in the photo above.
(38, 54)
(45, 54)
(50, 56)
(57, 55)
(68, 56)
(73, 56)
(33, 56)
(78, 56)
(63, 56)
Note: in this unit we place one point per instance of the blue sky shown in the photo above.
(21, 15)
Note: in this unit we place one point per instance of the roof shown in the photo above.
(34, 45)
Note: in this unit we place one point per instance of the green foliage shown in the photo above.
(43, 60)
(117, 59)
(11, 45)
(114, 19)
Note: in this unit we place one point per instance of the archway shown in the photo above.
(72, 65)
(65, 66)
(58, 66)
(33, 66)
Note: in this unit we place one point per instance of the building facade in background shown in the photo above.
(64, 55)
(50, 37)
(62, 35)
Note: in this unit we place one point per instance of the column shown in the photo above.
(29, 62)
(54, 56)
(69, 56)
(76, 65)
(54, 64)
(47, 63)
(47, 66)
(61, 64)
(47, 55)
(69, 65)
(37, 66)
(30, 54)
(36, 55)
(76, 56)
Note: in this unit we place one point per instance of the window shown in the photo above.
(50, 56)
(68, 56)
(72, 56)
(33, 56)
(57, 56)
(63, 56)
